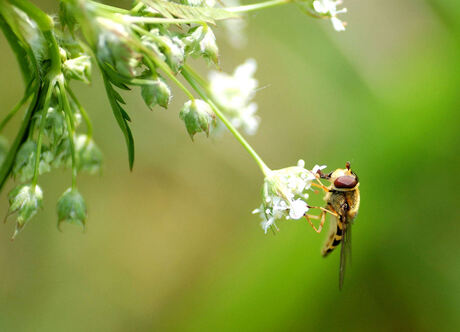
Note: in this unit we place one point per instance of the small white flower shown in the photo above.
(234, 94)
(329, 8)
(284, 194)
(298, 209)
(318, 168)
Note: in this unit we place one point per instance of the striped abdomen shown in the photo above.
(335, 237)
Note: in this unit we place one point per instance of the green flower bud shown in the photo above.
(89, 157)
(55, 126)
(198, 116)
(201, 41)
(62, 154)
(170, 49)
(24, 165)
(114, 48)
(71, 208)
(78, 68)
(25, 200)
(208, 46)
(174, 52)
(156, 92)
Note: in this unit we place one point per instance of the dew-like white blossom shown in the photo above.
(329, 8)
(234, 94)
(285, 194)
(234, 28)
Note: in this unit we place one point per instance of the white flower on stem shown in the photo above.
(234, 94)
(285, 194)
(329, 8)
(234, 27)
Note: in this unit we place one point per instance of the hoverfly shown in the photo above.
(342, 201)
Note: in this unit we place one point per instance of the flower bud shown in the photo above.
(25, 200)
(78, 68)
(156, 92)
(24, 164)
(208, 46)
(55, 125)
(71, 208)
(114, 48)
(198, 116)
(89, 157)
(174, 52)
(201, 41)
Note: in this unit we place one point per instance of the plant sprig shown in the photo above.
(146, 46)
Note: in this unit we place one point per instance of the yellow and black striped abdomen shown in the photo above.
(335, 237)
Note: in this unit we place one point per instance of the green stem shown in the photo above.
(257, 6)
(137, 7)
(44, 112)
(16, 108)
(70, 130)
(197, 77)
(159, 20)
(20, 137)
(44, 22)
(84, 114)
(108, 8)
(188, 76)
(18, 48)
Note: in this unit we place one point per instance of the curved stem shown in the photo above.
(84, 114)
(13, 112)
(44, 22)
(20, 137)
(188, 76)
(44, 112)
(257, 6)
(159, 20)
(70, 130)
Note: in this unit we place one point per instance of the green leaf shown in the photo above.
(122, 118)
(205, 14)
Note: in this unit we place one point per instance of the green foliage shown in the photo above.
(205, 14)
(146, 46)
(122, 118)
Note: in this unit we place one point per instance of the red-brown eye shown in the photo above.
(345, 181)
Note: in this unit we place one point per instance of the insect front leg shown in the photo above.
(323, 218)
(324, 210)
(320, 185)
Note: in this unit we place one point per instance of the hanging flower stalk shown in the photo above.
(146, 46)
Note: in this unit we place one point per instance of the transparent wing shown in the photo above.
(345, 251)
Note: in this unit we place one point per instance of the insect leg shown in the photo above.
(320, 185)
(324, 210)
(323, 218)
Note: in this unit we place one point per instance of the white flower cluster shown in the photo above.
(285, 194)
(329, 8)
(234, 94)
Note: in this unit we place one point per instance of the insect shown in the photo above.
(342, 201)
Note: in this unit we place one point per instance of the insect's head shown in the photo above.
(342, 179)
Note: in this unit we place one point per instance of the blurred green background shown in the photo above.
(173, 246)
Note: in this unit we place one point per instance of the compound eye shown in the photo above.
(345, 181)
